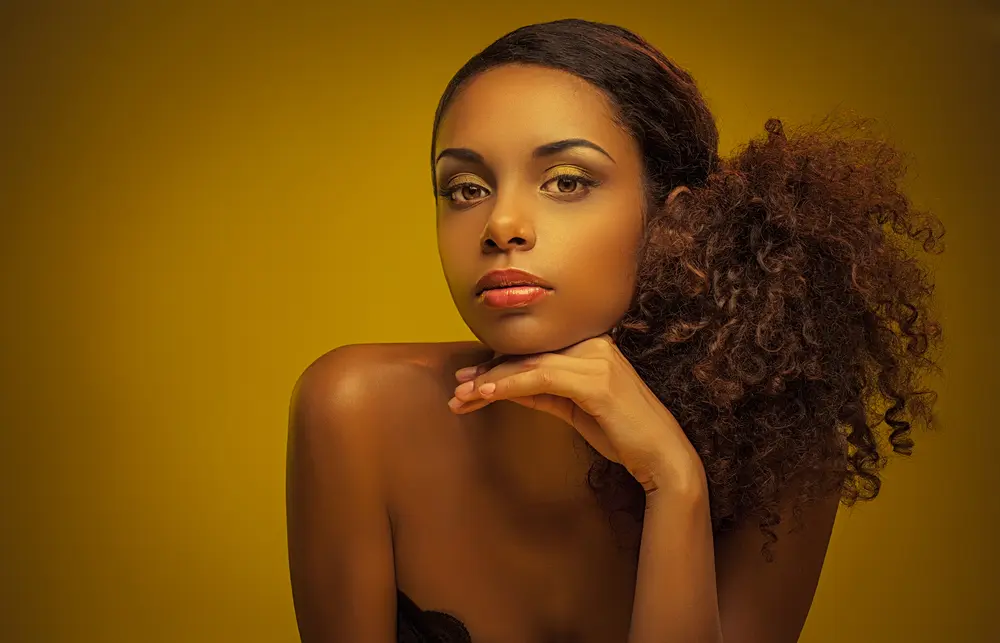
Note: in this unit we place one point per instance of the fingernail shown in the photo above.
(487, 388)
(467, 373)
(465, 388)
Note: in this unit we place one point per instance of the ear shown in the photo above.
(680, 189)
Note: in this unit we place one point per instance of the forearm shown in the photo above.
(676, 599)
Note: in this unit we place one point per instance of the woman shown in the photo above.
(688, 374)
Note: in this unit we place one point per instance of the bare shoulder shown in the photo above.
(381, 381)
(347, 411)
(357, 374)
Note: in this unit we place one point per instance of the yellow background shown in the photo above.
(198, 199)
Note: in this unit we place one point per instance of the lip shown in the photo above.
(509, 277)
(513, 297)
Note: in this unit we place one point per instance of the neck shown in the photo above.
(535, 457)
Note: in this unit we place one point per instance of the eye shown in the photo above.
(571, 181)
(468, 192)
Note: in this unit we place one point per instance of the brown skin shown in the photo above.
(487, 515)
(517, 214)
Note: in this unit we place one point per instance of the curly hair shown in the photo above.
(781, 310)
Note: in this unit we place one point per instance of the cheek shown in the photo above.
(605, 264)
(615, 244)
(452, 249)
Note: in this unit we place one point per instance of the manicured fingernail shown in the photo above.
(467, 373)
(487, 388)
(465, 388)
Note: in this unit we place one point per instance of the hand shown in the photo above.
(594, 389)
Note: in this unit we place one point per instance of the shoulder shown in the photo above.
(360, 383)
(350, 422)
(365, 416)
(356, 374)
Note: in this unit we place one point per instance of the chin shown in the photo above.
(527, 335)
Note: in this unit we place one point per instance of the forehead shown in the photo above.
(518, 107)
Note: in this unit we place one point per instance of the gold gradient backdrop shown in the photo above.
(198, 199)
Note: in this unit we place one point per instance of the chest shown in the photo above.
(514, 548)
(516, 576)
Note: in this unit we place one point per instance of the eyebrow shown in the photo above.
(465, 154)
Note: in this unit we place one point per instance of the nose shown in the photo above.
(507, 229)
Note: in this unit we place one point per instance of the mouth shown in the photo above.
(510, 278)
(515, 285)
(514, 296)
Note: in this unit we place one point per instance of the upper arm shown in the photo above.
(339, 538)
(768, 602)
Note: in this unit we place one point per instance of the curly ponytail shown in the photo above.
(783, 317)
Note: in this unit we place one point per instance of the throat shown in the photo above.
(534, 461)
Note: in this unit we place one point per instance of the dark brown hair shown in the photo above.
(781, 312)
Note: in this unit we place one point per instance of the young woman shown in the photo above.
(685, 364)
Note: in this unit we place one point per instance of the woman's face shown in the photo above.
(568, 214)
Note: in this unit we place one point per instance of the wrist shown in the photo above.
(677, 480)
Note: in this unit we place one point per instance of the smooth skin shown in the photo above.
(478, 506)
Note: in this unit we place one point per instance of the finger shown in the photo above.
(470, 389)
(470, 372)
(578, 387)
(460, 407)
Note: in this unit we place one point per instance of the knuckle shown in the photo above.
(533, 361)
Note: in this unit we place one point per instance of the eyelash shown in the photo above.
(582, 180)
